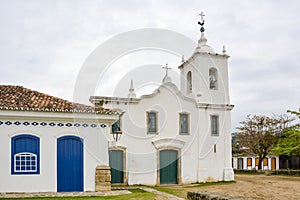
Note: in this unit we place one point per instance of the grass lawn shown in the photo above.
(136, 194)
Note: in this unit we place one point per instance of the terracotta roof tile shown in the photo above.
(21, 98)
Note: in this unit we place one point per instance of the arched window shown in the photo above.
(189, 82)
(213, 79)
(25, 158)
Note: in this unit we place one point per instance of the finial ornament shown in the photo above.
(166, 79)
(224, 50)
(167, 68)
(201, 23)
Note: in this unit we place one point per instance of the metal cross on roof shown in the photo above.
(202, 15)
(202, 22)
(167, 68)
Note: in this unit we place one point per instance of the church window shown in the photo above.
(184, 123)
(213, 79)
(189, 82)
(152, 122)
(215, 125)
(25, 157)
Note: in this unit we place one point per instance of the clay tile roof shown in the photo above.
(21, 98)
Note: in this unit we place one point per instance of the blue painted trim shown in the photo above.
(14, 151)
(60, 124)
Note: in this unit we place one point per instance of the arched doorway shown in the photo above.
(69, 164)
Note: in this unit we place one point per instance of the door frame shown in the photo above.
(123, 149)
(179, 179)
(83, 158)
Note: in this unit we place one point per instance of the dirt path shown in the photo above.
(258, 187)
(163, 194)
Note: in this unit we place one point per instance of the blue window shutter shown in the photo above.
(25, 144)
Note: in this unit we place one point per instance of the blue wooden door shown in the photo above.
(116, 166)
(168, 166)
(69, 164)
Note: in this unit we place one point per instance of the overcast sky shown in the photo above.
(44, 43)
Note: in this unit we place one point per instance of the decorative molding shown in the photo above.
(51, 124)
(168, 142)
(215, 106)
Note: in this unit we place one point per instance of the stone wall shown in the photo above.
(202, 195)
(102, 179)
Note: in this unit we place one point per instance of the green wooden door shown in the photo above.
(168, 166)
(116, 166)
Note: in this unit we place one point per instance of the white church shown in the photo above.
(171, 136)
(175, 136)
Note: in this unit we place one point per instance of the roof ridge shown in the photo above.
(17, 97)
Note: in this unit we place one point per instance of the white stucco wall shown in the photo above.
(199, 65)
(95, 148)
(199, 163)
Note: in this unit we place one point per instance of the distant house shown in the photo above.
(245, 161)
(249, 162)
(50, 144)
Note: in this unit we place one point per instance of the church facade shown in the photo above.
(175, 136)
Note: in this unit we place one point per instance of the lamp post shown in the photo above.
(117, 135)
(116, 129)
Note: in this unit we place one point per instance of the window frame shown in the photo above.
(156, 122)
(22, 157)
(187, 123)
(15, 154)
(212, 125)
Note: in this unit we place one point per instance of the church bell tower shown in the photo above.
(204, 76)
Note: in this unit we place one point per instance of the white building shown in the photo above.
(251, 162)
(173, 135)
(49, 144)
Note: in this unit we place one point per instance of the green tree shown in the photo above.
(258, 134)
(289, 144)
